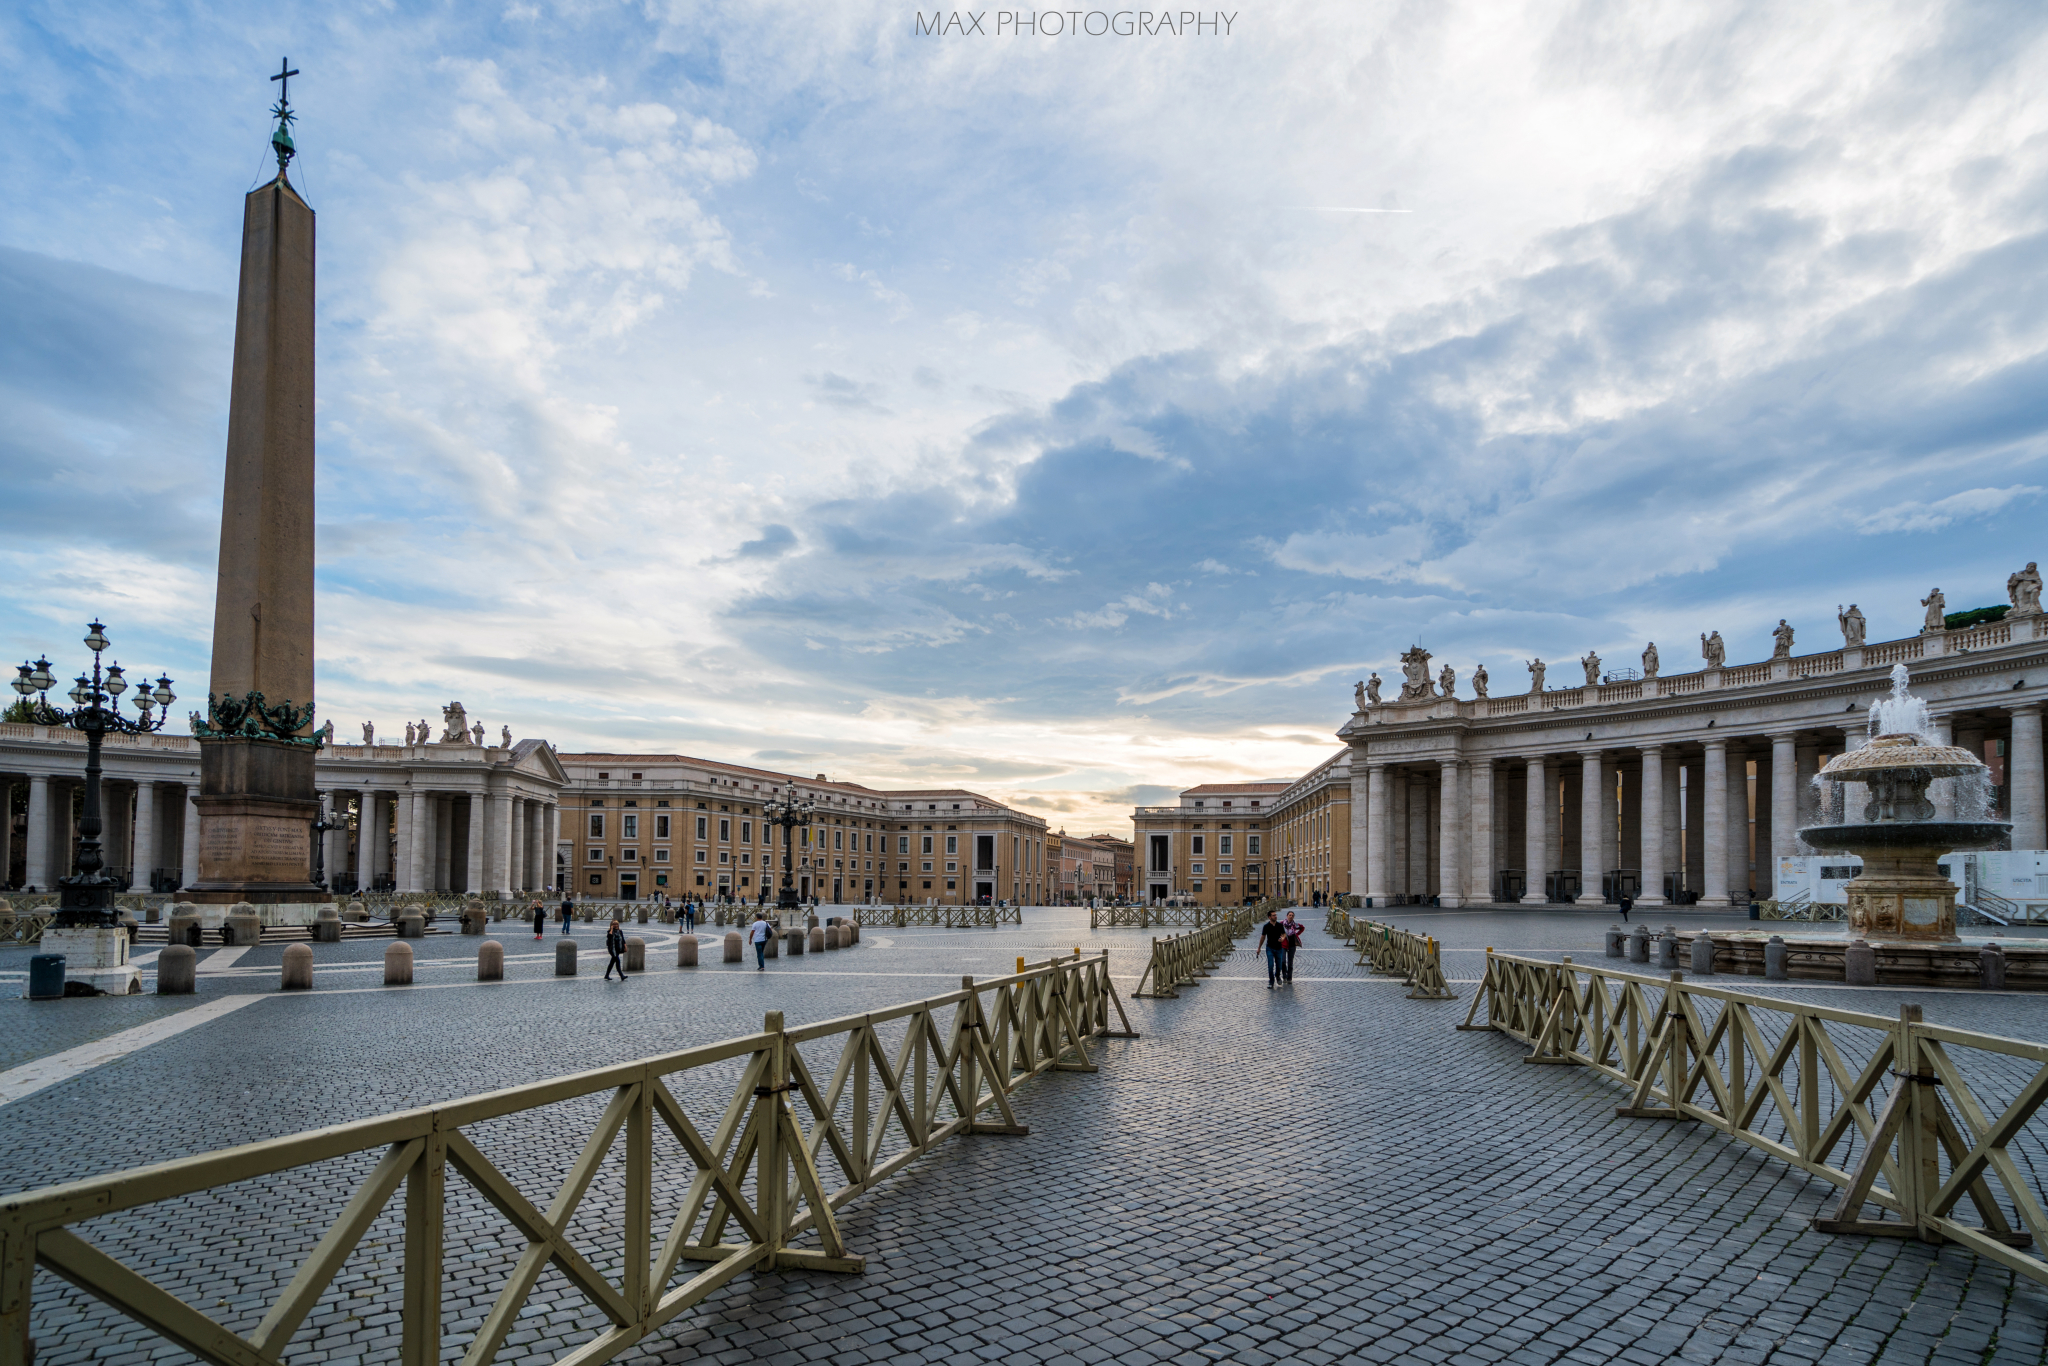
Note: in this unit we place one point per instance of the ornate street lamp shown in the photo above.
(788, 810)
(86, 898)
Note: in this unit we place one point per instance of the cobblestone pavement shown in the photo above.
(1320, 1173)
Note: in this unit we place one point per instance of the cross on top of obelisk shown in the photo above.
(281, 140)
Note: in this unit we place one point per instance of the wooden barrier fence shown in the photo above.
(1910, 1117)
(1394, 952)
(746, 1173)
(1186, 958)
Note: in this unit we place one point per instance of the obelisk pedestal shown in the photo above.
(257, 803)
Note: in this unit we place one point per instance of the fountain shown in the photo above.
(1901, 895)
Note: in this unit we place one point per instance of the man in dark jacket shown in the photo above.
(1273, 939)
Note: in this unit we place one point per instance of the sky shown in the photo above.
(1069, 416)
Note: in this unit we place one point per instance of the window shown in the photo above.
(724, 856)
(838, 839)
(952, 867)
(902, 867)
(661, 803)
(1223, 842)
(597, 825)
(871, 838)
(1251, 845)
(927, 884)
(1197, 849)
(747, 858)
(1194, 867)
(597, 801)
(949, 884)
(746, 827)
(1196, 885)
(952, 844)
(660, 826)
(1222, 867)
(724, 830)
(629, 828)
(927, 844)
(628, 855)
(597, 879)
(927, 865)
(1222, 886)
(661, 856)
(700, 827)
(596, 856)
(700, 856)
(903, 844)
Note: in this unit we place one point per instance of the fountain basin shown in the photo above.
(1945, 836)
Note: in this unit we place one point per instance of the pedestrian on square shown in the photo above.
(1273, 939)
(540, 919)
(689, 913)
(1628, 903)
(615, 945)
(1293, 928)
(759, 934)
(568, 911)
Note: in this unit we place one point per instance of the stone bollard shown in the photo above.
(855, 926)
(298, 969)
(733, 952)
(1639, 945)
(412, 926)
(636, 954)
(474, 917)
(398, 965)
(242, 925)
(643, 913)
(1991, 968)
(810, 922)
(1703, 954)
(835, 938)
(817, 944)
(490, 961)
(775, 945)
(177, 971)
(1774, 959)
(565, 958)
(1859, 964)
(686, 951)
(356, 912)
(1617, 939)
(185, 928)
(327, 925)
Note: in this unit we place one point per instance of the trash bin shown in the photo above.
(46, 976)
(1756, 912)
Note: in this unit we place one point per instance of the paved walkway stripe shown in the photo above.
(31, 1077)
(224, 958)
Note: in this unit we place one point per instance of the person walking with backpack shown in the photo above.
(1273, 939)
(568, 911)
(615, 945)
(689, 911)
(1293, 930)
(759, 935)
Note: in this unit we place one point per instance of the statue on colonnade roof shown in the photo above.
(1415, 675)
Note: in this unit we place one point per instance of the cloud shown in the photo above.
(774, 542)
(1945, 511)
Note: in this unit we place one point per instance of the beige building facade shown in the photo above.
(1210, 847)
(645, 825)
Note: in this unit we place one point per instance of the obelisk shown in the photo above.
(256, 801)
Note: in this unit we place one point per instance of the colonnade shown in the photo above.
(151, 830)
(428, 840)
(1694, 819)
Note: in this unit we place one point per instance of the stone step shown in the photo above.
(288, 934)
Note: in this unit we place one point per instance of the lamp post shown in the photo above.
(86, 898)
(788, 810)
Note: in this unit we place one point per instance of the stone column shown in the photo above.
(1535, 852)
(1379, 832)
(1714, 847)
(474, 878)
(421, 865)
(502, 847)
(522, 841)
(1592, 857)
(1450, 877)
(1738, 826)
(1629, 817)
(188, 839)
(2023, 778)
(1479, 859)
(554, 840)
(1784, 804)
(441, 845)
(366, 840)
(143, 857)
(1674, 811)
(1418, 835)
(1610, 818)
(1656, 857)
(1397, 834)
(6, 827)
(37, 856)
